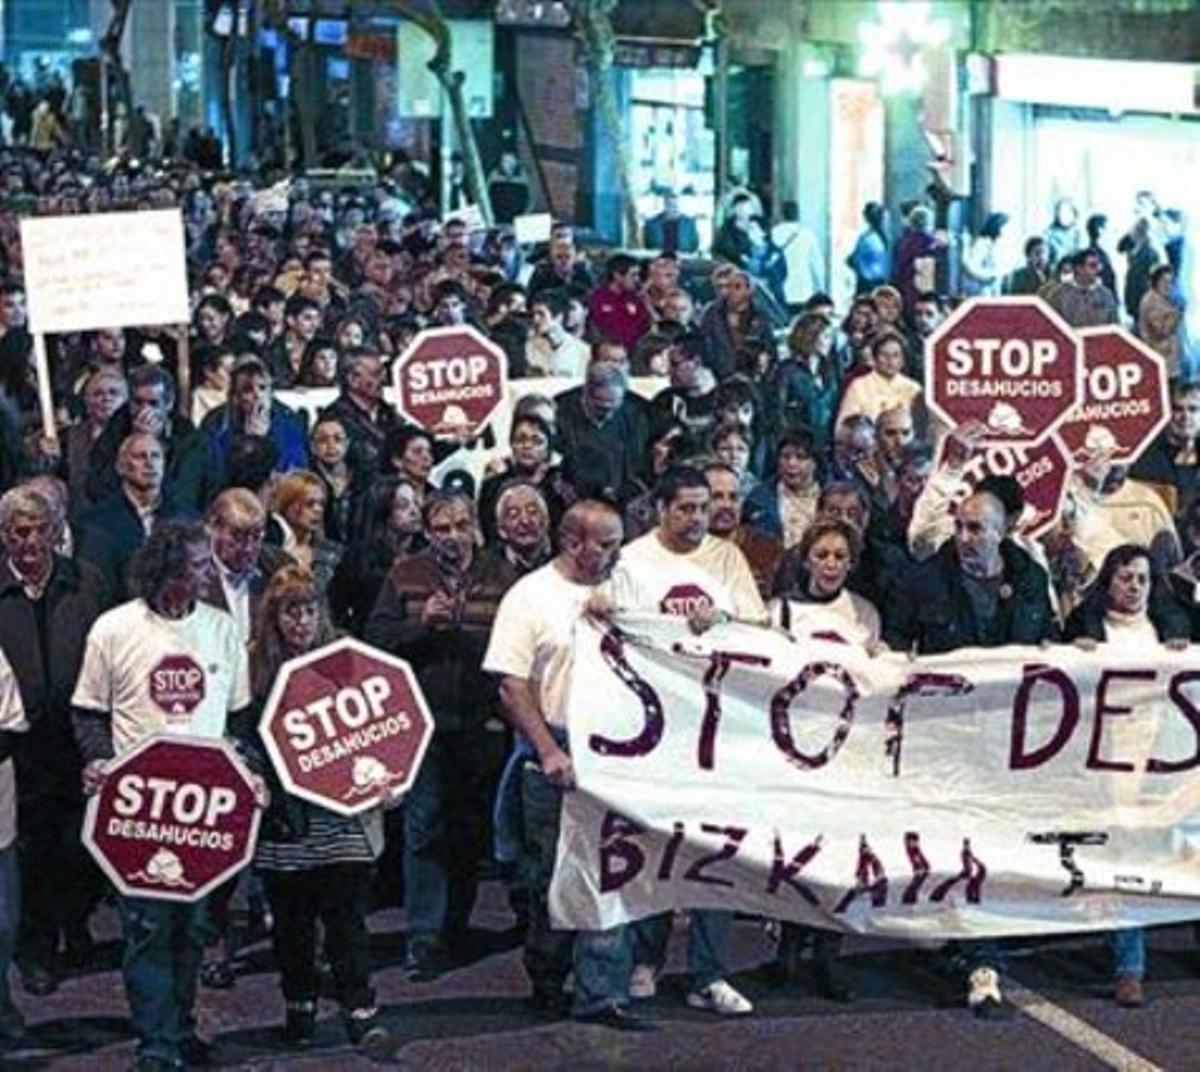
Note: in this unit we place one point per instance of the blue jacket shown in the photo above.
(287, 433)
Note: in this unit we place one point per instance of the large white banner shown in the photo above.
(987, 792)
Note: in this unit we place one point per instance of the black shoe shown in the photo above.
(196, 1052)
(423, 962)
(829, 982)
(618, 1018)
(38, 979)
(153, 1062)
(12, 1023)
(552, 1004)
(218, 975)
(300, 1023)
(366, 1031)
(79, 953)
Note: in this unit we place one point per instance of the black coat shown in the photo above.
(109, 533)
(1166, 615)
(46, 661)
(932, 612)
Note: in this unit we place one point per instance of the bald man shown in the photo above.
(530, 650)
(978, 590)
(242, 563)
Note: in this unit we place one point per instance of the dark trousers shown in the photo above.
(338, 896)
(445, 835)
(164, 944)
(59, 881)
(600, 960)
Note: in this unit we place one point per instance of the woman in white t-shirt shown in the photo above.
(1130, 606)
(821, 606)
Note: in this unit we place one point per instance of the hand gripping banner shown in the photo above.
(982, 793)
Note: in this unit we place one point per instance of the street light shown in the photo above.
(893, 49)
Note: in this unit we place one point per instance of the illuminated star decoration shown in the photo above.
(893, 48)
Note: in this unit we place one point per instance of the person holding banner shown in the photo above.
(317, 866)
(530, 650)
(680, 568)
(1129, 605)
(120, 699)
(977, 590)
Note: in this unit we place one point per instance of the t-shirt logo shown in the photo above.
(177, 685)
(686, 599)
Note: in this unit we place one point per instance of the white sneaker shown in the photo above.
(643, 982)
(721, 998)
(983, 993)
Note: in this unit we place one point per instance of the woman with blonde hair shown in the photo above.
(298, 508)
(316, 865)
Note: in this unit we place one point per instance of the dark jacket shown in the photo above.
(607, 459)
(671, 234)
(1169, 619)
(721, 346)
(45, 651)
(367, 437)
(798, 397)
(286, 432)
(191, 477)
(110, 533)
(932, 612)
(881, 572)
(270, 561)
(447, 658)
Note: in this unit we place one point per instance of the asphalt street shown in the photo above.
(475, 1017)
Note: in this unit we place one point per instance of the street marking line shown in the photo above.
(1076, 1031)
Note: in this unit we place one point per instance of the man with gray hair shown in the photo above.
(603, 436)
(523, 525)
(436, 610)
(110, 532)
(47, 606)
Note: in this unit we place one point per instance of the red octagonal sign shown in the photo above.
(175, 817)
(1125, 399)
(177, 684)
(1012, 364)
(450, 381)
(1042, 470)
(346, 726)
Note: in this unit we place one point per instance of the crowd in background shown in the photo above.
(792, 462)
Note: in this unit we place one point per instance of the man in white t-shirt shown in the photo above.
(679, 568)
(551, 349)
(530, 648)
(122, 696)
(12, 723)
(686, 570)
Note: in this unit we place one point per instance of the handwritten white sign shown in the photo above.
(115, 269)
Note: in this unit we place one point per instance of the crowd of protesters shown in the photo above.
(789, 473)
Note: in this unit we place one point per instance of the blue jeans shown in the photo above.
(1129, 951)
(445, 836)
(601, 960)
(164, 945)
(10, 915)
(708, 943)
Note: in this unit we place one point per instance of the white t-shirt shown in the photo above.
(848, 618)
(871, 394)
(12, 720)
(569, 358)
(533, 632)
(670, 582)
(162, 675)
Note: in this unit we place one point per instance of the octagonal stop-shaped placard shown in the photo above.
(450, 381)
(175, 818)
(1011, 364)
(346, 726)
